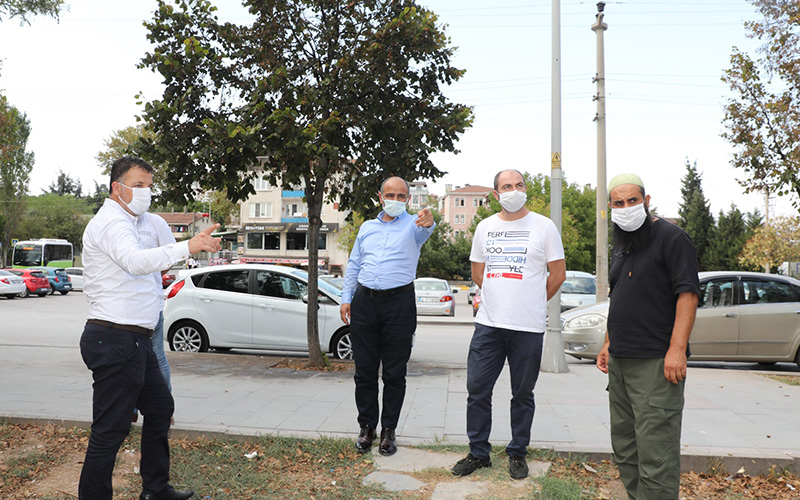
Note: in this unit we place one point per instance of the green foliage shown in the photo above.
(65, 185)
(762, 120)
(694, 213)
(123, 142)
(443, 255)
(24, 9)
(722, 253)
(16, 165)
(553, 488)
(578, 220)
(54, 216)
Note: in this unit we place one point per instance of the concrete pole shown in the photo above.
(553, 358)
(601, 260)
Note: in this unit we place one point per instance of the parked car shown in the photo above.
(36, 282)
(76, 277)
(251, 306)
(578, 289)
(741, 316)
(167, 279)
(336, 281)
(59, 279)
(471, 293)
(434, 296)
(11, 285)
(476, 302)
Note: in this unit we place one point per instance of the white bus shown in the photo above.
(43, 253)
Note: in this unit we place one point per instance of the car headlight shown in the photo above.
(585, 321)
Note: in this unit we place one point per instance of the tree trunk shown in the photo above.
(314, 190)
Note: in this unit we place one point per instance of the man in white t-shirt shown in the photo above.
(511, 254)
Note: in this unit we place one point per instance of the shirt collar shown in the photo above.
(401, 216)
(117, 206)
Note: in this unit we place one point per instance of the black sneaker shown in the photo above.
(470, 464)
(517, 467)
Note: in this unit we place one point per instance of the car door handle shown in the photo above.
(205, 298)
(266, 306)
(731, 315)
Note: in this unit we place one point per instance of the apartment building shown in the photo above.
(459, 206)
(418, 195)
(274, 229)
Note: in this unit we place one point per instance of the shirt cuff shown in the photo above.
(180, 251)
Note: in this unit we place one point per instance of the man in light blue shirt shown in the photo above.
(379, 292)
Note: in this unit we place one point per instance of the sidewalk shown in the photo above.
(736, 416)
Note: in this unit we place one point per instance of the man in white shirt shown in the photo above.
(116, 342)
(511, 254)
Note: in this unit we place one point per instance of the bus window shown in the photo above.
(43, 252)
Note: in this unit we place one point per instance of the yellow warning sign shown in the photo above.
(555, 161)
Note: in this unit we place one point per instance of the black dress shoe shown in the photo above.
(388, 444)
(365, 439)
(168, 494)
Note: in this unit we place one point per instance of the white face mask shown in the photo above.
(140, 201)
(393, 208)
(630, 218)
(513, 201)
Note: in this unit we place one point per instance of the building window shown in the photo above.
(477, 202)
(294, 210)
(263, 241)
(295, 241)
(261, 210)
(179, 229)
(456, 233)
(323, 241)
(261, 184)
(460, 218)
(415, 200)
(459, 202)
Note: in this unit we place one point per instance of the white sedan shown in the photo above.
(76, 276)
(251, 306)
(11, 285)
(434, 296)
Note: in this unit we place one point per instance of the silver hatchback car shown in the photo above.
(741, 316)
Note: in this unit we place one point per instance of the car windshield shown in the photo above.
(5, 273)
(38, 274)
(337, 282)
(579, 285)
(324, 285)
(430, 286)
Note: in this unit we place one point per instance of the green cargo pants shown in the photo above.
(646, 412)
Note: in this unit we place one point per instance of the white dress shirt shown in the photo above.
(118, 270)
(155, 232)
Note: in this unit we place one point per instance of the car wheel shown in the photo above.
(341, 345)
(188, 336)
(797, 358)
(64, 292)
(26, 293)
(52, 291)
(11, 295)
(452, 312)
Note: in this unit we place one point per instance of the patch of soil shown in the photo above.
(334, 365)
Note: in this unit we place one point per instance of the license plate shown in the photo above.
(428, 299)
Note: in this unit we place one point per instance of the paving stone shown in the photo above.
(460, 490)
(413, 460)
(393, 482)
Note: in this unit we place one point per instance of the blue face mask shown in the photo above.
(393, 208)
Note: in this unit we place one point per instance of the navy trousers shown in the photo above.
(126, 376)
(382, 332)
(488, 351)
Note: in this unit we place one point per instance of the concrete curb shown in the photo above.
(691, 460)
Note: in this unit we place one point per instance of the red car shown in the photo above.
(167, 279)
(35, 281)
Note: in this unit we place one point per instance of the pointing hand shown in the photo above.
(424, 218)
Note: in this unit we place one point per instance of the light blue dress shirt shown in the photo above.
(385, 254)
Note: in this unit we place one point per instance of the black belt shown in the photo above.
(385, 293)
(147, 332)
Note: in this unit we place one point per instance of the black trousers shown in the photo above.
(126, 376)
(382, 331)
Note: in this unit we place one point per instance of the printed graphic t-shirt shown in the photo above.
(516, 253)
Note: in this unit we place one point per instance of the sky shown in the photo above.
(76, 79)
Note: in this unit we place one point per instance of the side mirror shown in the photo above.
(305, 300)
(455, 290)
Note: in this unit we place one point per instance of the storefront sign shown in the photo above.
(265, 228)
(302, 227)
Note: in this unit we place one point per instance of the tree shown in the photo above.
(773, 244)
(65, 185)
(577, 218)
(694, 213)
(763, 118)
(443, 255)
(15, 169)
(96, 200)
(327, 95)
(722, 253)
(123, 142)
(23, 9)
(55, 216)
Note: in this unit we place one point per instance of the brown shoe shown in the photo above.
(388, 443)
(365, 439)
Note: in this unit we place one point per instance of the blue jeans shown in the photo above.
(488, 351)
(158, 349)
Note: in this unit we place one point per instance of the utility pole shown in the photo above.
(601, 217)
(553, 358)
